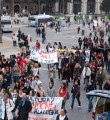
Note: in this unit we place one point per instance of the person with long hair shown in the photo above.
(63, 90)
(52, 73)
(66, 73)
(35, 69)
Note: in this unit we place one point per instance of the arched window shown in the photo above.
(35, 7)
(7, 7)
(91, 6)
(76, 6)
(25, 7)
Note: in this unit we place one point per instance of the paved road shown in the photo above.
(68, 37)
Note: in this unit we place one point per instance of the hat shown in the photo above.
(7, 67)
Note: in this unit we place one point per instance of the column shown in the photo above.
(97, 7)
(57, 7)
(84, 6)
(70, 7)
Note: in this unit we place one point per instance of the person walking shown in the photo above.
(100, 77)
(75, 94)
(24, 108)
(80, 42)
(52, 73)
(63, 90)
(86, 75)
(16, 72)
(51, 90)
(62, 115)
(90, 98)
(107, 85)
(7, 106)
(78, 29)
(66, 73)
(60, 67)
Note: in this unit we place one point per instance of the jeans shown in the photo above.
(86, 82)
(15, 78)
(48, 66)
(43, 40)
(56, 65)
(59, 73)
(90, 103)
(73, 99)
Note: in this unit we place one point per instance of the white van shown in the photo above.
(40, 20)
(6, 24)
(101, 106)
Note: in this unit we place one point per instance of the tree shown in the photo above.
(105, 6)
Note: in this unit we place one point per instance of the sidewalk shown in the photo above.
(7, 48)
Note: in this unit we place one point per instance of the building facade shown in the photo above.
(75, 6)
(61, 6)
(19, 5)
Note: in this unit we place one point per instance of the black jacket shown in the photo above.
(27, 90)
(106, 86)
(3, 84)
(17, 101)
(58, 117)
(75, 90)
(89, 88)
(24, 110)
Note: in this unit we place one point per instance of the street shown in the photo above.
(68, 37)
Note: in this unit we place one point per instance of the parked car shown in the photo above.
(101, 106)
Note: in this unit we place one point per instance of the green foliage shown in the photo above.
(105, 6)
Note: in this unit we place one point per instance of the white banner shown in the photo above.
(44, 57)
(45, 108)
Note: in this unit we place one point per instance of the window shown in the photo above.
(35, 7)
(32, 19)
(25, 7)
(7, 7)
(6, 22)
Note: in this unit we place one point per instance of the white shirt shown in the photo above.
(62, 117)
(35, 84)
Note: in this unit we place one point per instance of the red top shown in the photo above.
(21, 64)
(99, 56)
(63, 93)
(19, 59)
(38, 45)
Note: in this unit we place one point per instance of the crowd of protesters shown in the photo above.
(24, 73)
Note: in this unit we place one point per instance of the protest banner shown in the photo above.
(87, 52)
(45, 108)
(44, 57)
(14, 96)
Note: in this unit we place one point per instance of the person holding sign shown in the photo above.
(24, 108)
(63, 90)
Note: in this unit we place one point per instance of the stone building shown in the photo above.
(19, 5)
(75, 6)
